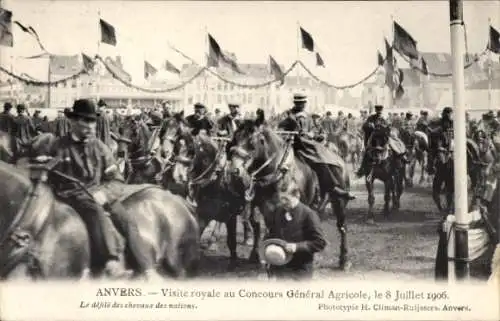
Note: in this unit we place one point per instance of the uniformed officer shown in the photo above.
(199, 121)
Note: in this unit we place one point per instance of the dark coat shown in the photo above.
(371, 122)
(228, 124)
(199, 124)
(304, 229)
(7, 123)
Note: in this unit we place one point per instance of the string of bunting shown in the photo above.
(149, 90)
(43, 83)
(467, 66)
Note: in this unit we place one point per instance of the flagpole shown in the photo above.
(460, 151)
(489, 66)
(390, 96)
(49, 89)
(298, 53)
(205, 75)
(98, 85)
(11, 80)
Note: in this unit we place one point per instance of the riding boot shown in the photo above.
(324, 170)
(128, 227)
(104, 244)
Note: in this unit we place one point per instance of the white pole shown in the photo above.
(460, 150)
(490, 65)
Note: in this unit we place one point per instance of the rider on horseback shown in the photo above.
(89, 160)
(316, 155)
(373, 122)
(228, 124)
(444, 127)
(199, 121)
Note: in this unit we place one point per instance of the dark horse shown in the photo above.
(44, 238)
(206, 179)
(386, 166)
(261, 160)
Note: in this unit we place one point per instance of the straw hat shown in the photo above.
(272, 251)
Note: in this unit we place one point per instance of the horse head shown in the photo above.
(379, 144)
(254, 152)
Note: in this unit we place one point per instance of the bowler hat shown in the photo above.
(409, 114)
(272, 251)
(101, 103)
(21, 107)
(83, 108)
(379, 107)
(299, 98)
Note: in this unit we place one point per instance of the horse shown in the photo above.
(350, 146)
(204, 174)
(261, 160)
(144, 163)
(44, 238)
(387, 167)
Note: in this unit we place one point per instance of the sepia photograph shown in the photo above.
(349, 149)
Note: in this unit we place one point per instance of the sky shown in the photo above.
(347, 33)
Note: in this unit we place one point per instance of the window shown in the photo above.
(219, 99)
(249, 98)
(219, 86)
(244, 98)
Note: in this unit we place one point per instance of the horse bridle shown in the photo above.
(265, 180)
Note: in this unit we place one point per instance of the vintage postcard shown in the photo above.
(249, 160)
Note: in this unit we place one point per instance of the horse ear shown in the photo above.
(260, 117)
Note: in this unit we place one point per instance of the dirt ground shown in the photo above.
(402, 246)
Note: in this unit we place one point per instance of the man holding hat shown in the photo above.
(89, 160)
(230, 122)
(24, 132)
(443, 126)
(199, 121)
(317, 155)
(294, 237)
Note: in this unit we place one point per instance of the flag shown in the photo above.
(276, 70)
(307, 40)
(404, 42)
(424, 67)
(494, 43)
(149, 70)
(215, 56)
(88, 63)
(170, 67)
(380, 59)
(108, 34)
(319, 61)
(389, 66)
(30, 30)
(6, 38)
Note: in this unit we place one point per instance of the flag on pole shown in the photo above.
(494, 43)
(6, 38)
(399, 92)
(215, 56)
(171, 68)
(108, 34)
(276, 70)
(319, 61)
(404, 42)
(389, 66)
(88, 63)
(380, 59)
(149, 70)
(307, 40)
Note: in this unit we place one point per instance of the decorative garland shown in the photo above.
(43, 83)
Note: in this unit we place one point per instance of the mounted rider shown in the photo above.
(442, 127)
(87, 159)
(378, 122)
(228, 124)
(408, 123)
(198, 121)
(305, 146)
